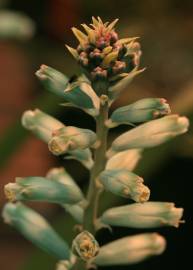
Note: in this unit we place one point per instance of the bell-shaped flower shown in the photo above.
(71, 138)
(53, 80)
(42, 189)
(41, 124)
(36, 229)
(151, 134)
(146, 215)
(124, 183)
(85, 246)
(130, 250)
(142, 110)
(124, 160)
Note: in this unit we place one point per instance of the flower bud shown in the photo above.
(36, 229)
(42, 189)
(125, 184)
(124, 160)
(151, 134)
(15, 25)
(103, 57)
(41, 124)
(141, 111)
(53, 80)
(71, 138)
(130, 250)
(146, 215)
(85, 246)
(81, 94)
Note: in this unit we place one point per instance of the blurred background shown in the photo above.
(34, 33)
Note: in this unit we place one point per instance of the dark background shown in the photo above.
(166, 31)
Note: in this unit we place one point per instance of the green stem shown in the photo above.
(94, 189)
(99, 165)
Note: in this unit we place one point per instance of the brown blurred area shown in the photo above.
(166, 31)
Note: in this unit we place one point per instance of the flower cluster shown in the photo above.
(102, 55)
(109, 64)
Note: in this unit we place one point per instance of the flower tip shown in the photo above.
(183, 121)
(40, 75)
(95, 22)
(112, 24)
(145, 194)
(9, 193)
(27, 119)
(177, 215)
(159, 243)
(82, 38)
(54, 147)
(43, 66)
(72, 51)
(41, 72)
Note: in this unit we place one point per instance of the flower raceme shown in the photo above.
(109, 65)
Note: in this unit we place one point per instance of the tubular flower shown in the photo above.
(131, 249)
(146, 215)
(126, 184)
(102, 55)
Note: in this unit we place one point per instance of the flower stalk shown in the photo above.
(95, 187)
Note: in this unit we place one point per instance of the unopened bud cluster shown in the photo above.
(102, 55)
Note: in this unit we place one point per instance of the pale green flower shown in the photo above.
(124, 160)
(146, 215)
(142, 110)
(41, 124)
(71, 138)
(15, 25)
(151, 133)
(130, 250)
(42, 189)
(36, 229)
(125, 184)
